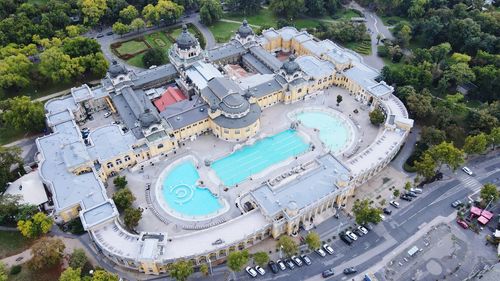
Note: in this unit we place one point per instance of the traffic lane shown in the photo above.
(493, 178)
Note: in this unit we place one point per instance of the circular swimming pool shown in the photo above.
(336, 132)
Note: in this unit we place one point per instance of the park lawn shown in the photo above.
(131, 47)
(345, 14)
(265, 17)
(49, 274)
(12, 242)
(174, 33)
(8, 135)
(223, 31)
(137, 61)
(393, 20)
(158, 40)
(306, 23)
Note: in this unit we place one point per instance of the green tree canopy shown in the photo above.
(101, 275)
(432, 136)
(476, 144)
(3, 272)
(39, 224)
(243, 7)
(120, 182)
(120, 28)
(47, 252)
(154, 56)
(23, 114)
(313, 240)
(78, 258)
(377, 117)
(180, 270)
(364, 213)
(132, 217)
(15, 71)
(92, 10)
(128, 14)
(420, 105)
(447, 153)
(237, 260)
(489, 192)
(261, 258)
(123, 198)
(8, 156)
(210, 12)
(288, 245)
(80, 46)
(58, 66)
(71, 274)
(137, 24)
(494, 137)
(426, 166)
(288, 9)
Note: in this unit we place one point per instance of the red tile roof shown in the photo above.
(169, 97)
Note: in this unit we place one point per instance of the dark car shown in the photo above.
(456, 204)
(110, 33)
(328, 273)
(290, 264)
(387, 211)
(411, 194)
(100, 35)
(350, 270)
(358, 232)
(406, 198)
(273, 266)
(346, 239)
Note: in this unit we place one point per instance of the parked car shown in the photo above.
(320, 252)
(346, 239)
(362, 229)
(416, 190)
(411, 194)
(462, 223)
(116, 122)
(368, 226)
(107, 114)
(406, 198)
(387, 211)
(327, 273)
(358, 232)
(328, 249)
(351, 235)
(260, 270)
(251, 271)
(273, 267)
(395, 204)
(456, 204)
(290, 264)
(306, 259)
(467, 171)
(297, 261)
(350, 270)
(100, 35)
(281, 264)
(110, 33)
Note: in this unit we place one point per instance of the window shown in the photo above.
(160, 146)
(109, 165)
(118, 161)
(226, 131)
(237, 132)
(299, 90)
(127, 158)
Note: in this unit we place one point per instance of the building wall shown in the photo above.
(193, 129)
(269, 100)
(239, 134)
(161, 147)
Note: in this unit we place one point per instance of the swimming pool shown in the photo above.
(333, 131)
(254, 158)
(183, 196)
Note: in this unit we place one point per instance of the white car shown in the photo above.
(107, 114)
(467, 171)
(328, 249)
(362, 229)
(321, 252)
(394, 204)
(416, 190)
(351, 235)
(260, 270)
(297, 261)
(251, 271)
(281, 264)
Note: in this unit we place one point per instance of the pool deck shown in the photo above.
(273, 120)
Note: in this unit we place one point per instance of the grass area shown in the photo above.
(8, 135)
(264, 17)
(12, 242)
(346, 14)
(131, 47)
(50, 274)
(222, 31)
(363, 47)
(393, 20)
(158, 40)
(177, 31)
(137, 61)
(306, 23)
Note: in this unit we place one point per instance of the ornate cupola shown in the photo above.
(245, 34)
(186, 49)
(290, 70)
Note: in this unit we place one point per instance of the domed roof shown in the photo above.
(185, 40)
(147, 119)
(291, 66)
(245, 29)
(116, 69)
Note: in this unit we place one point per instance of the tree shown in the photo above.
(3, 272)
(58, 66)
(236, 260)
(447, 153)
(243, 7)
(47, 252)
(137, 24)
(128, 14)
(396, 192)
(9, 156)
(315, 7)
(9, 207)
(476, 144)
(165, 11)
(408, 186)
(71, 274)
(420, 105)
(78, 258)
(92, 10)
(74, 30)
(494, 137)
(313, 240)
(210, 12)
(432, 136)
(288, 9)
(24, 114)
(120, 28)
(426, 166)
(80, 46)
(123, 198)
(39, 224)
(15, 71)
(403, 34)
(377, 117)
(288, 245)
(488, 193)
(457, 74)
(180, 270)
(120, 182)
(261, 258)
(364, 213)
(204, 269)
(379, 36)
(101, 275)
(339, 99)
(132, 217)
(154, 56)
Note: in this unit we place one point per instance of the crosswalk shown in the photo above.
(469, 182)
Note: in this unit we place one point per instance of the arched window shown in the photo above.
(127, 158)
(118, 161)
(109, 165)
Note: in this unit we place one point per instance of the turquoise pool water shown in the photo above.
(254, 158)
(332, 132)
(182, 195)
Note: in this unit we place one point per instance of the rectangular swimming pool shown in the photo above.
(255, 158)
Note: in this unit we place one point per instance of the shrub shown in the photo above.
(16, 269)
(154, 56)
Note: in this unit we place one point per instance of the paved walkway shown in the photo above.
(17, 259)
